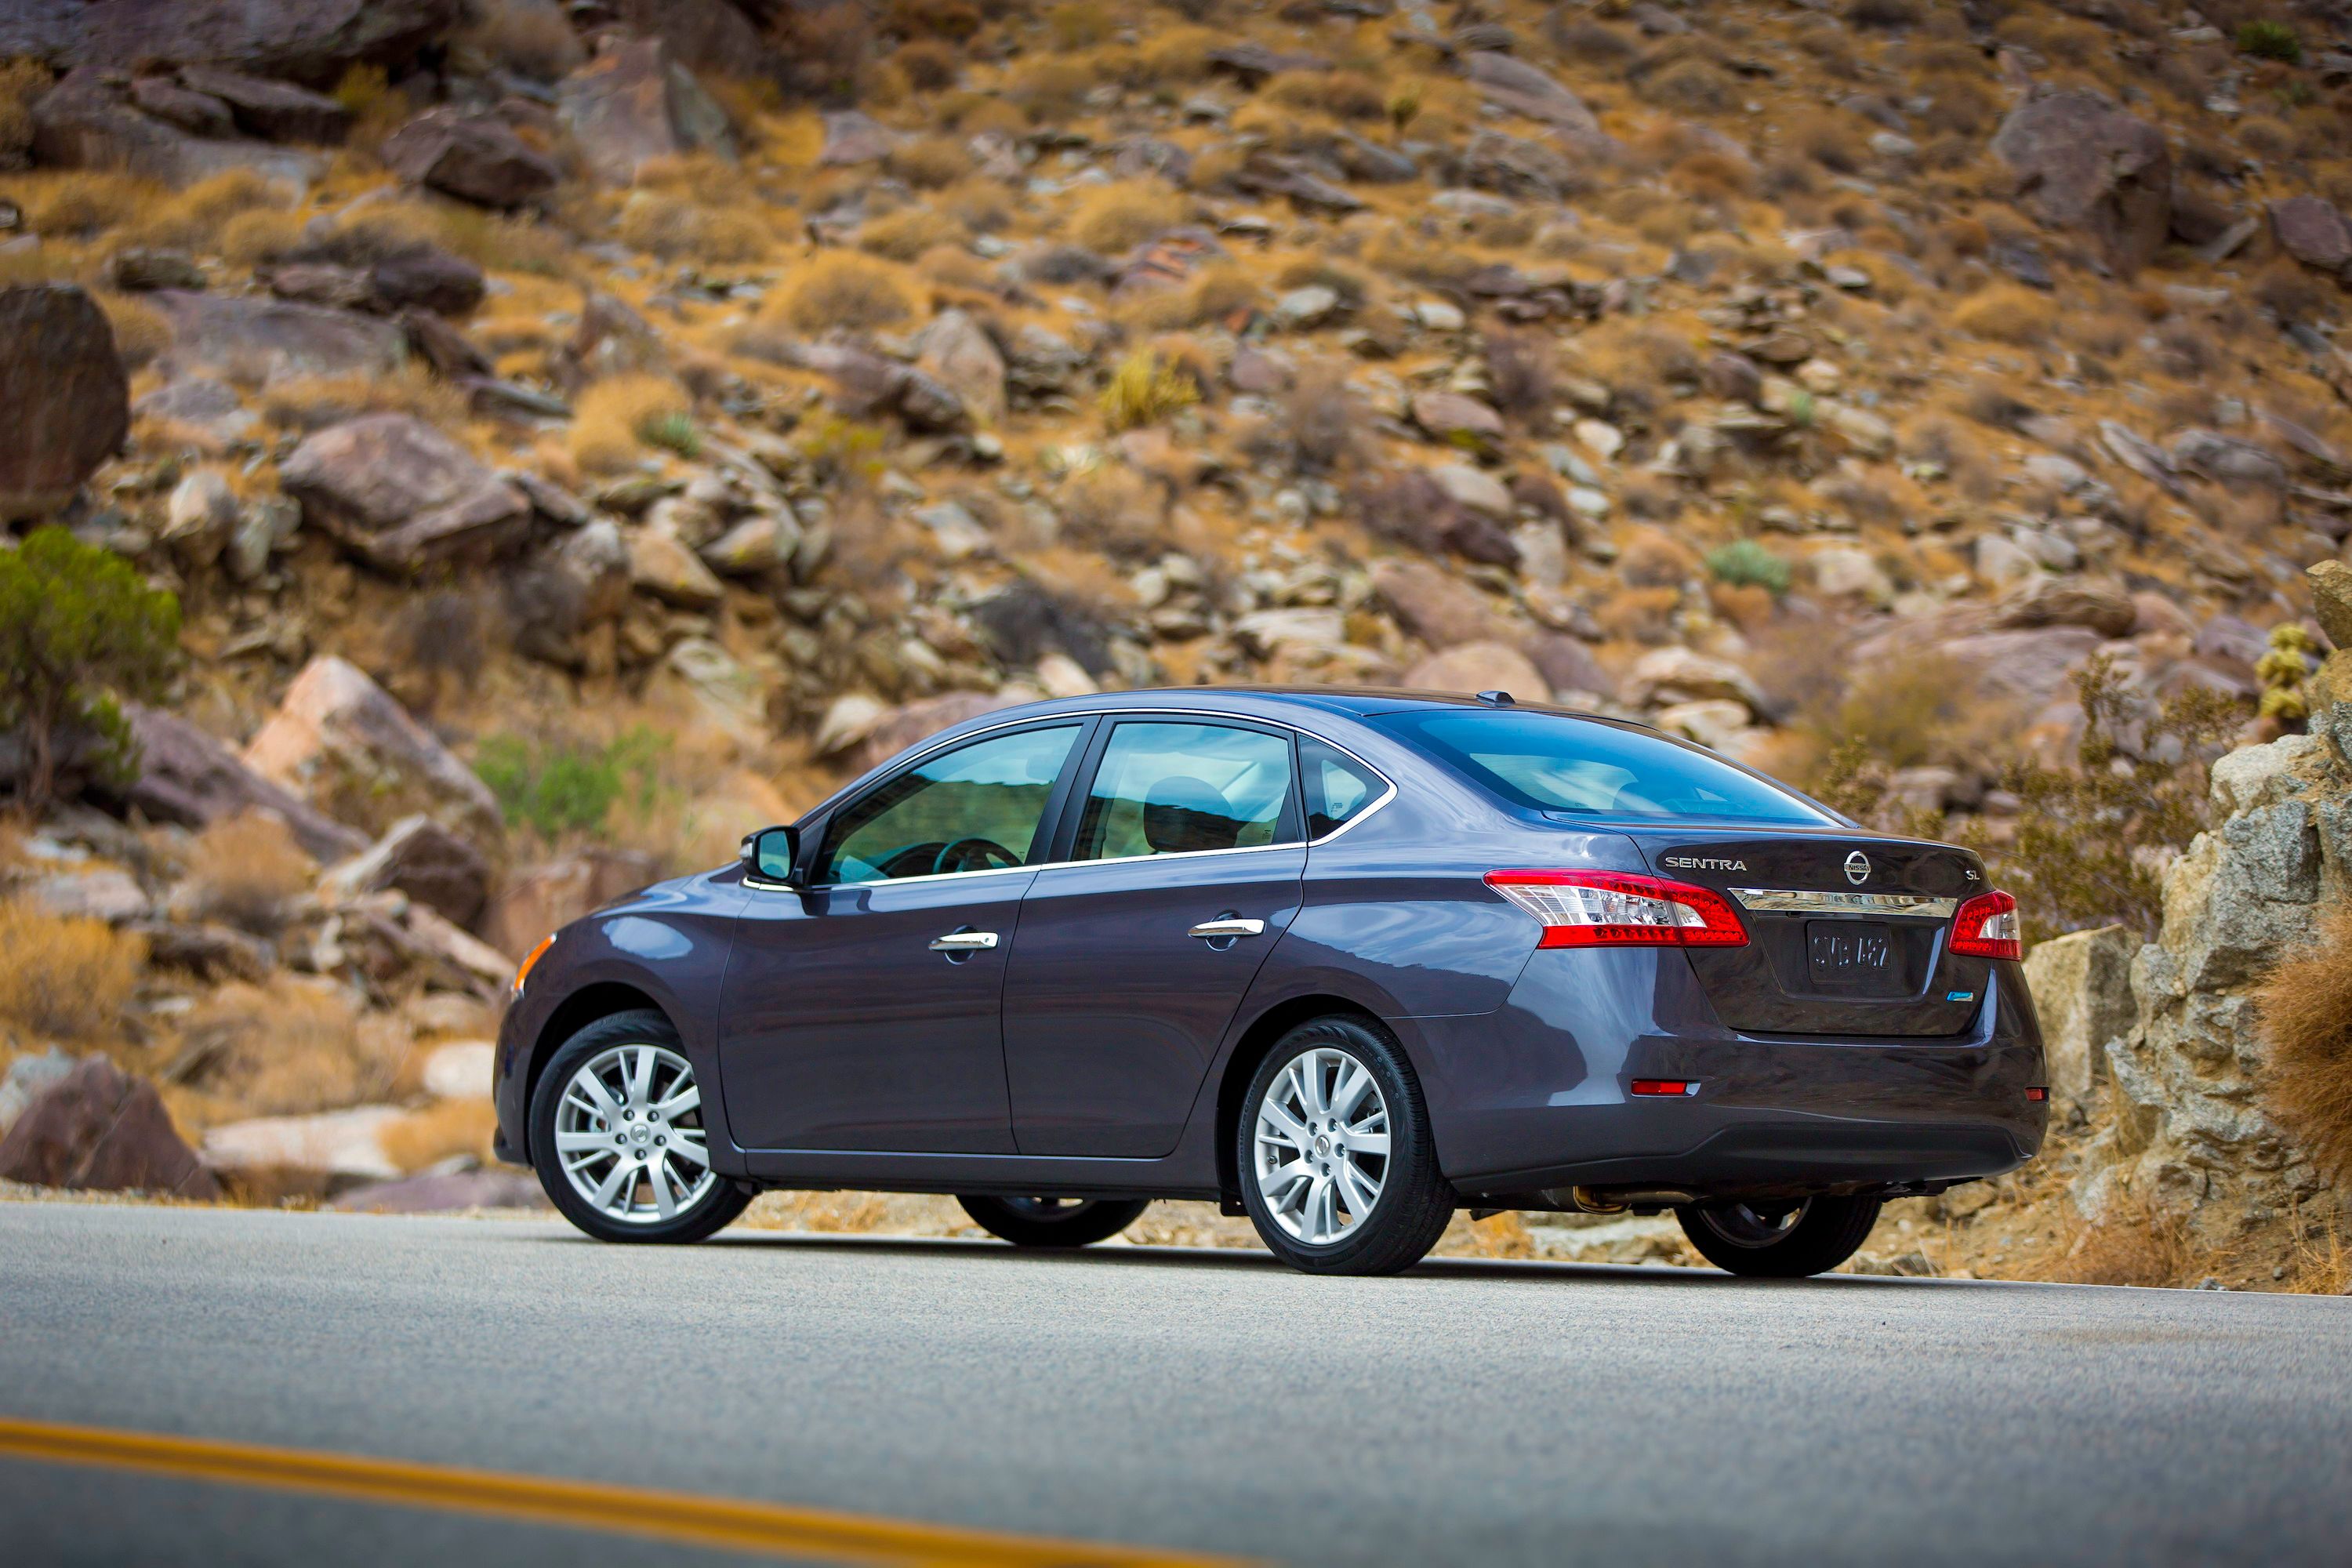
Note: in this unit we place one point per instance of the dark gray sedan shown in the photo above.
(1344, 962)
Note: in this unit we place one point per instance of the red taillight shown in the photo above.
(1986, 927)
(1673, 1086)
(1616, 908)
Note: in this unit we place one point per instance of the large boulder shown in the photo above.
(422, 858)
(2082, 992)
(1518, 87)
(1476, 667)
(476, 158)
(953, 350)
(551, 895)
(1439, 610)
(401, 496)
(704, 35)
(87, 121)
(64, 402)
(96, 1129)
(275, 110)
(348, 1144)
(1671, 675)
(2310, 229)
(634, 103)
(184, 776)
(852, 137)
(339, 737)
(2083, 163)
(1516, 166)
(313, 41)
(249, 338)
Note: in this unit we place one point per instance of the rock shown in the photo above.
(422, 858)
(2082, 990)
(449, 1191)
(2312, 231)
(404, 496)
(551, 895)
(1440, 315)
(142, 271)
(1866, 431)
(1668, 675)
(850, 719)
(2083, 164)
(1259, 372)
(26, 1076)
(101, 894)
(2034, 667)
(337, 735)
(1303, 309)
(2331, 600)
(1252, 63)
(762, 542)
(2227, 460)
(459, 1069)
(633, 104)
(273, 111)
(1430, 605)
(1516, 167)
(660, 563)
(1458, 421)
(330, 1143)
(312, 41)
(1567, 665)
(952, 349)
(1521, 89)
(205, 949)
(2069, 602)
(1480, 666)
(197, 113)
(94, 1130)
(199, 518)
(892, 730)
(88, 122)
(721, 686)
(457, 951)
(1308, 634)
(476, 158)
(1475, 489)
(1840, 573)
(2003, 563)
(184, 776)
(247, 338)
(852, 137)
(425, 277)
(64, 402)
(207, 405)
(1272, 174)
(1714, 722)
(705, 34)
(1137, 156)
(322, 283)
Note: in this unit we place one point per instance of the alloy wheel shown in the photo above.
(1755, 1225)
(1321, 1145)
(629, 1134)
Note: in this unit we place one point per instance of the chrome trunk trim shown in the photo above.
(1781, 901)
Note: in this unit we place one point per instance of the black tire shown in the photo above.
(1766, 1241)
(1053, 1222)
(716, 1207)
(1415, 1200)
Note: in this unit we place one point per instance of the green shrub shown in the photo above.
(566, 789)
(80, 631)
(673, 431)
(2270, 41)
(1743, 564)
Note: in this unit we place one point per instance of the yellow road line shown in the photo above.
(586, 1505)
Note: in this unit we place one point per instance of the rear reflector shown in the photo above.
(2037, 1093)
(1617, 909)
(1986, 927)
(1673, 1086)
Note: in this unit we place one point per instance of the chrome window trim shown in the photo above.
(1787, 902)
(1114, 715)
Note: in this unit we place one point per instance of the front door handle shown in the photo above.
(964, 942)
(1221, 929)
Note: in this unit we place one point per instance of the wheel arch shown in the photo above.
(1251, 1049)
(598, 999)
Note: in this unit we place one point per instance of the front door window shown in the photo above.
(975, 808)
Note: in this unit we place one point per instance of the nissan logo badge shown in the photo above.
(1857, 868)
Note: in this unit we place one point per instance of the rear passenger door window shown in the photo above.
(1173, 789)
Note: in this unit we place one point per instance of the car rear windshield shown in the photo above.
(1553, 764)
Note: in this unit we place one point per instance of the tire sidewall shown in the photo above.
(715, 1208)
(1832, 1231)
(1377, 1244)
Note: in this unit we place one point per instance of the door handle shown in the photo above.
(964, 942)
(1218, 930)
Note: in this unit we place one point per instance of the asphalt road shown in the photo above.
(1467, 1413)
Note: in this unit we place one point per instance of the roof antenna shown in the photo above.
(1496, 700)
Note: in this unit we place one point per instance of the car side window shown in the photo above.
(1179, 789)
(974, 809)
(1339, 787)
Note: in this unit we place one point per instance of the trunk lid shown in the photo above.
(1848, 931)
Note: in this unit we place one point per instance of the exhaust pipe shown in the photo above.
(1620, 1200)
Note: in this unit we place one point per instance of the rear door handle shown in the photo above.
(1214, 930)
(964, 942)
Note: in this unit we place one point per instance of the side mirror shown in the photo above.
(770, 855)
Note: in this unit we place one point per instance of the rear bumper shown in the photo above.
(1537, 1095)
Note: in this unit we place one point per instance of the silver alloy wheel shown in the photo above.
(1754, 1226)
(629, 1133)
(1321, 1145)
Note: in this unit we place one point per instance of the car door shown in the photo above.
(861, 1008)
(1176, 870)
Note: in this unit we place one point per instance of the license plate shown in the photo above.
(1849, 955)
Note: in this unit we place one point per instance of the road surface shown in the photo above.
(1202, 1402)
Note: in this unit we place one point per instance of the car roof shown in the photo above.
(1358, 702)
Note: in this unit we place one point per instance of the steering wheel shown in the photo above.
(973, 855)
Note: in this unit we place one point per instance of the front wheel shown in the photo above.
(1053, 1222)
(1787, 1239)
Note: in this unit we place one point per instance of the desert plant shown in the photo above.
(2305, 1006)
(1121, 216)
(618, 417)
(566, 789)
(1745, 563)
(246, 869)
(78, 632)
(839, 289)
(1145, 389)
(67, 977)
(2270, 41)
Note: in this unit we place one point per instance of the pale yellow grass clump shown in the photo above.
(2008, 313)
(614, 417)
(246, 869)
(2306, 1005)
(836, 288)
(140, 332)
(906, 234)
(1145, 389)
(196, 218)
(315, 402)
(294, 1045)
(1116, 217)
(65, 978)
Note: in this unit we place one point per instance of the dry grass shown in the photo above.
(931, 163)
(906, 234)
(837, 288)
(427, 1137)
(140, 332)
(65, 978)
(81, 203)
(1118, 217)
(196, 218)
(2141, 1244)
(1214, 294)
(291, 1046)
(1144, 390)
(2306, 1005)
(2008, 313)
(314, 401)
(618, 417)
(671, 225)
(246, 869)
(532, 37)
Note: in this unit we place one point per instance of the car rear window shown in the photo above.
(1553, 764)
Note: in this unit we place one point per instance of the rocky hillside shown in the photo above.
(573, 433)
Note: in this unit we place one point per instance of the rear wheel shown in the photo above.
(1787, 1239)
(617, 1135)
(1053, 1222)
